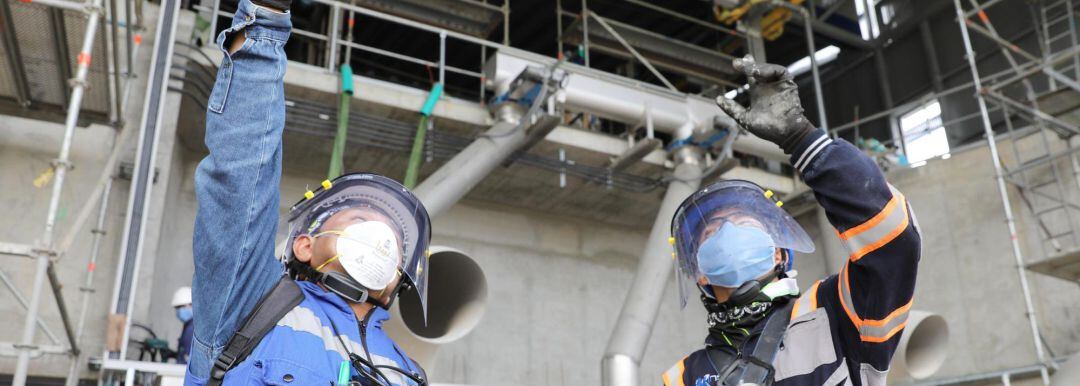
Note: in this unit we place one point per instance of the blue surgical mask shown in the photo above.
(184, 314)
(735, 255)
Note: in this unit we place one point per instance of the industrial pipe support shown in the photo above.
(634, 326)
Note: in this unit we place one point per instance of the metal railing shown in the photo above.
(334, 44)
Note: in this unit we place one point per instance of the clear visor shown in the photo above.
(384, 200)
(733, 201)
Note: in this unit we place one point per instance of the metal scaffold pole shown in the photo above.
(88, 284)
(1003, 192)
(61, 164)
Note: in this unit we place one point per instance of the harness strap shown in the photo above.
(753, 364)
(285, 296)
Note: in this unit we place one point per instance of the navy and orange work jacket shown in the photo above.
(844, 328)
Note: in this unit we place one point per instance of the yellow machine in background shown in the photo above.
(772, 22)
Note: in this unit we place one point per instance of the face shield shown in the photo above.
(388, 201)
(730, 202)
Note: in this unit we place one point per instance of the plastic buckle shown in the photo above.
(221, 366)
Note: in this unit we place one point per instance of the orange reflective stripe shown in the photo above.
(813, 295)
(873, 221)
(899, 312)
(883, 338)
(879, 230)
(870, 330)
(844, 292)
(795, 309)
(675, 373)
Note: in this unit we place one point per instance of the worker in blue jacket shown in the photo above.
(352, 245)
(735, 245)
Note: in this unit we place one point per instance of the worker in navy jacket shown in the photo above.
(735, 245)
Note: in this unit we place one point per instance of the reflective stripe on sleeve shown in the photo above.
(878, 230)
(673, 377)
(870, 330)
(805, 303)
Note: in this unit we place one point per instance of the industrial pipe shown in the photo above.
(629, 101)
(634, 326)
(457, 290)
(458, 176)
(923, 347)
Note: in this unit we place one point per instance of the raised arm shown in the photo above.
(874, 288)
(871, 296)
(237, 183)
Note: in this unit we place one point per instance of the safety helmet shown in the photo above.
(370, 191)
(181, 297)
(724, 201)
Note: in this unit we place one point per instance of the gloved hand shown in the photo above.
(775, 113)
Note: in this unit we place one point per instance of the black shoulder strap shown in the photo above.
(285, 296)
(768, 344)
(754, 364)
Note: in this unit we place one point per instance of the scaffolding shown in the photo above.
(46, 251)
(1035, 172)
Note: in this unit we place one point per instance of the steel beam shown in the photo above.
(632, 330)
(930, 50)
(837, 34)
(633, 51)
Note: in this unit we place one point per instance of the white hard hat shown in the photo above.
(181, 297)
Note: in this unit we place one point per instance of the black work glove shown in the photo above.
(775, 113)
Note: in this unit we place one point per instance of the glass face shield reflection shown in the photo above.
(727, 203)
(398, 207)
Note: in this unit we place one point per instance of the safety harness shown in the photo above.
(752, 363)
(285, 296)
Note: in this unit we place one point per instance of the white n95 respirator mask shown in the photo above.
(369, 253)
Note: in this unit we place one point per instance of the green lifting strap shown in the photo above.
(336, 157)
(413, 172)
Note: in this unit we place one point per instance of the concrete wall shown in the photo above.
(556, 284)
(968, 273)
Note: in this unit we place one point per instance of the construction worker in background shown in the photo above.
(181, 302)
(353, 244)
(734, 248)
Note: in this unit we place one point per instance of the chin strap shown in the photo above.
(336, 282)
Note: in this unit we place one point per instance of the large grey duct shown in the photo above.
(923, 347)
(622, 358)
(457, 299)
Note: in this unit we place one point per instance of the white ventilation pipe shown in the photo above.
(923, 347)
(457, 299)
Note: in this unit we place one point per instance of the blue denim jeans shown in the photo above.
(237, 184)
